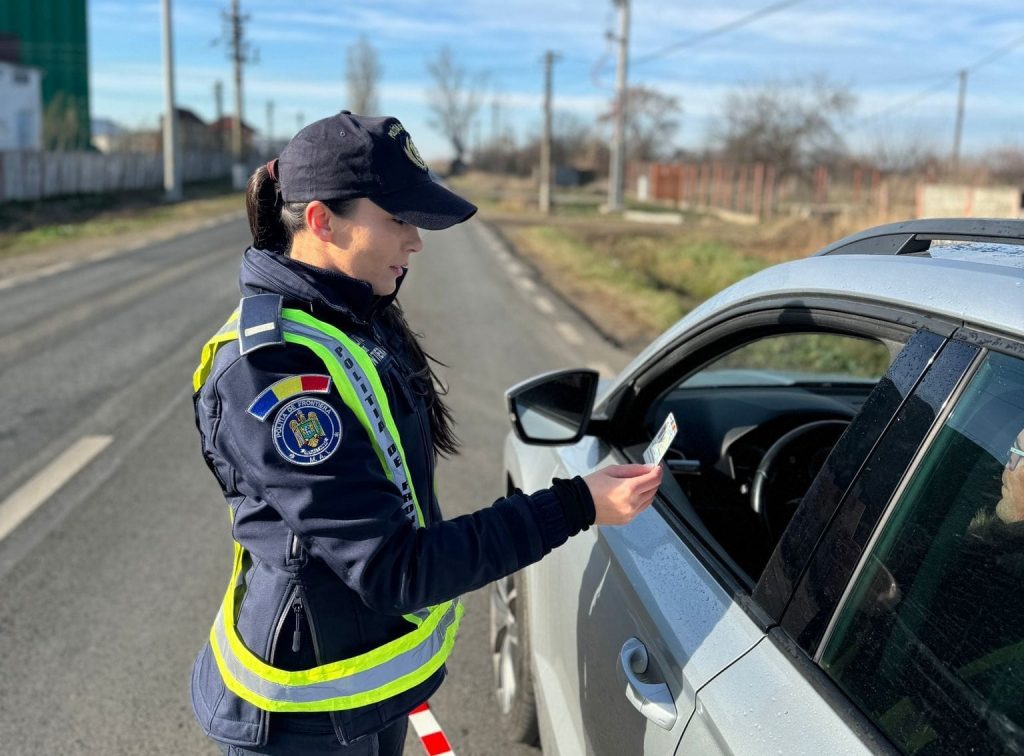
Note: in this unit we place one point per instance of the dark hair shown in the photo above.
(274, 222)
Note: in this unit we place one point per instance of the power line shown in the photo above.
(718, 30)
(945, 80)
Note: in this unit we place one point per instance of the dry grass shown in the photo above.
(634, 280)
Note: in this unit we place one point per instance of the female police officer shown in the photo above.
(319, 415)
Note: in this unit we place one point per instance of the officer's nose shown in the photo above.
(415, 242)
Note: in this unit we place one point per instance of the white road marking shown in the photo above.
(544, 304)
(603, 368)
(569, 333)
(37, 489)
(137, 246)
(514, 268)
(526, 284)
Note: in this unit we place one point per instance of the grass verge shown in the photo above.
(26, 227)
(634, 280)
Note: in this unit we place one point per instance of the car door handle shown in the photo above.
(653, 700)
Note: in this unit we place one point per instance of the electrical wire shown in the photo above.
(944, 81)
(717, 31)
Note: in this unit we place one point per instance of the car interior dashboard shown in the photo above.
(745, 455)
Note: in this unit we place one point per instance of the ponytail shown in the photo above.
(263, 206)
(427, 383)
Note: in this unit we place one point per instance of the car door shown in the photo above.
(629, 623)
(852, 680)
(638, 584)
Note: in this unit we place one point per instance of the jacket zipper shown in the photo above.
(429, 451)
(297, 633)
(292, 597)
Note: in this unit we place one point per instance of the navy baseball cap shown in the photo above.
(347, 156)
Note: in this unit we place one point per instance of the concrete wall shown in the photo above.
(21, 107)
(30, 175)
(954, 200)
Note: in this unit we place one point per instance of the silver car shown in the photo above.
(836, 563)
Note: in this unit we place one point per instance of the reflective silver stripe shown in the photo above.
(364, 391)
(262, 328)
(356, 683)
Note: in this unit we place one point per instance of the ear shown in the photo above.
(319, 220)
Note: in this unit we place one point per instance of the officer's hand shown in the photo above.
(621, 492)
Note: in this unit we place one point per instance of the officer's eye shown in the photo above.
(399, 221)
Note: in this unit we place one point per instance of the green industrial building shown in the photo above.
(51, 35)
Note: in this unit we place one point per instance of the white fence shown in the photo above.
(34, 175)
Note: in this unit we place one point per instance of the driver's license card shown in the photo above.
(661, 442)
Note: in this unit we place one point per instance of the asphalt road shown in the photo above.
(108, 587)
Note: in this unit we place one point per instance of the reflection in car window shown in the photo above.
(930, 643)
(796, 358)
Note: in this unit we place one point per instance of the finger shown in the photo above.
(647, 486)
(626, 471)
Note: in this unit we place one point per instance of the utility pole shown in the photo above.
(300, 121)
(241, 54)
(218, 100)
(270, 127)
(172, 166)
(617, 169)
(959, 131)
(495, 121)
(545, 146)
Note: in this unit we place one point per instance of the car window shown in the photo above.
(930, 641)
(756, 425)
(792, 358)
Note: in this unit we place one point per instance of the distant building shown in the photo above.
(21, 107)
(223, 129)
(194, 134)
(107, 135)
(50, 35)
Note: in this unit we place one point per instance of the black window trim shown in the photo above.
(810, 608)
(897, 493)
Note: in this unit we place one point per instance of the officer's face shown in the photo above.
(1011, 502)
(370, 244)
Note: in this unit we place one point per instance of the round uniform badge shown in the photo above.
(307, 431)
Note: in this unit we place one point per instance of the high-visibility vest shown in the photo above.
(384, 671)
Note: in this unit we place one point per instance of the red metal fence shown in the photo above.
(757, 191)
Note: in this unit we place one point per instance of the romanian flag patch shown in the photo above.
(285, 389)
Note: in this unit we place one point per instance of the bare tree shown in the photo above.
(1006, 163)
(362, 74)
(904, 153)
(456, 100)
(651, 122)
(60, 123)
(789, 125)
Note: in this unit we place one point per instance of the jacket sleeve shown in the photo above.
(347, 513)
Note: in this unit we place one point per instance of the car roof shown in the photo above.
(985, 292)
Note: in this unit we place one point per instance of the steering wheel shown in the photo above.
(787, 470)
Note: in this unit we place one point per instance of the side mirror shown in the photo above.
(553, 408)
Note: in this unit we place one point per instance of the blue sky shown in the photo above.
(886, 51)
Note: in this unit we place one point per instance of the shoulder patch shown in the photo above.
(259, 322)
(307, 431)
(285, 389)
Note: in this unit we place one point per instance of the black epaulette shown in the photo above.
(259, 322)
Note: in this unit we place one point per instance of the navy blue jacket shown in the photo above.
(335, 563)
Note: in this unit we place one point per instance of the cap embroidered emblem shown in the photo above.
(397, 131)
